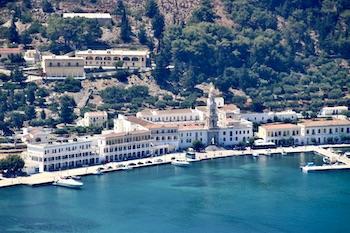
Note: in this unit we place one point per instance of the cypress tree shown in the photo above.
(125, 29)
(142, 36)
(47, 6)
(42, 115)
(12, 33)
(120, 8)
(158, 25)
(151, 8)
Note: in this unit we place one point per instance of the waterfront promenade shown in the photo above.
(49, 177)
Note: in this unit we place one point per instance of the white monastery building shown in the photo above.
(263, 117)
(62, 155)
(306, 132)
(330, 111)
(6, 53)
(102, 18)
(211, 124)
(62, 67)
(133, 59)
(121, 146)
(173, 115)
(32, 56)
(94, 119)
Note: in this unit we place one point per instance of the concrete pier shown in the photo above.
(338, 162)
(49, 177)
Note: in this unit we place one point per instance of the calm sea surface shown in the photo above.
(240, 194)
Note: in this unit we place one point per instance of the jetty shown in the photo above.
(337, 161)
(48, 177)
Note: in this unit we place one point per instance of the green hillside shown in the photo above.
(282, 54)
(262, 54)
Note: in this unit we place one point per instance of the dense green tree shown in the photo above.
(142, 36)
(113, 95)
(120, 8)
(30, 94)
(17, 75)
(137, 91)
(16, 59)
(13, 35)
(335, 94)
(47, 6)
(151, 8)
(27, 4)
(125, 28)
(204, 13)
(198, 145)
(43, 115)
(158, 25)
(12, 163)
(66, 109)
(30, 112)
(122, 75)
(25, 38)
(42, 92)
(73, 31)
(16, 120)
(69, 85)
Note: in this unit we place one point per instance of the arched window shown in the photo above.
(89, 58)
(68, 64)
(116, 58)
(98, 58)
(126, 59)
(107, 58)
(134, 59)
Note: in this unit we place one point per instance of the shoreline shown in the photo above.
(48, 177)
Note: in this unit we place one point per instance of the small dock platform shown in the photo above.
(338, 161)
(307, 169)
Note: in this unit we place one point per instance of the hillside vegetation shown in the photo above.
(283, 54)
(262, 54)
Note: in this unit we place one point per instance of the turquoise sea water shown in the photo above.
(239, 194)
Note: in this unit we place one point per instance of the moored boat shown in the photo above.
(98, 171)
(191, 154)
(347, 154)
(68, 183)
(126, 168)
(180, 163)
(75, 177)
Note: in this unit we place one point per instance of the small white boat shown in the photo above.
(68, 183)
(126, 168)
(98, 171)
(75, 177)
(190, 153)
(180, 163)
(255, 155)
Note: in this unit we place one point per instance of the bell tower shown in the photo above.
(212, 117)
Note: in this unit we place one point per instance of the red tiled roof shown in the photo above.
(10, 50)
(334, 122)
(279, 126)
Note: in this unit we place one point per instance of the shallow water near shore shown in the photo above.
(237, 194)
